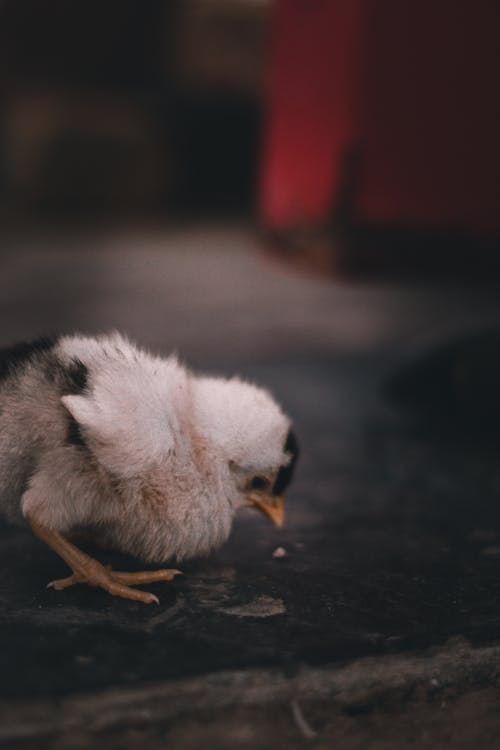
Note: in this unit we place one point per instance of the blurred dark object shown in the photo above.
(80, 152)
(382, 149)
(124, 107)
(453, 385)
(218, 46)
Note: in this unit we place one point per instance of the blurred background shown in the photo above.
(350, 141)
(128, 109)
(329, 115)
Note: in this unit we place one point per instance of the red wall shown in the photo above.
(387, 110)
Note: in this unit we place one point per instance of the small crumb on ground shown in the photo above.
(280, 552)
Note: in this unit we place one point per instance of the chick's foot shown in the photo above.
(87, 570)
(115, 581)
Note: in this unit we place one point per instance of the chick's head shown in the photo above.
(254, 437)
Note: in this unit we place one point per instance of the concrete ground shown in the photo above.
(378, 628)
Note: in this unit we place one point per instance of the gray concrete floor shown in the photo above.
(393, 532)
(210, 292)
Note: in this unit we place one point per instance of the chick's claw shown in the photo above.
(146, 576)
(63, 583)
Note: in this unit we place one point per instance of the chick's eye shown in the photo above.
(259, 483)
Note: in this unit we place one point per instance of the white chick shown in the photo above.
(149, 458)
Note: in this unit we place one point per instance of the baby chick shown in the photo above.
(149, 458)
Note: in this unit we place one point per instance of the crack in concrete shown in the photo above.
(369, 681)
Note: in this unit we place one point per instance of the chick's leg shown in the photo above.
(87, 570)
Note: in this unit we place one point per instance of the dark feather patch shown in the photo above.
(14, 357)
(286, 472)
(76, 377)
(74, 435)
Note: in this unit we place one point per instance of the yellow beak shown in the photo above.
(272, 507)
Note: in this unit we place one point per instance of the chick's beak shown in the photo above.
(270, 506)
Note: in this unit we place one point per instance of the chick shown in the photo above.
(152, 460)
